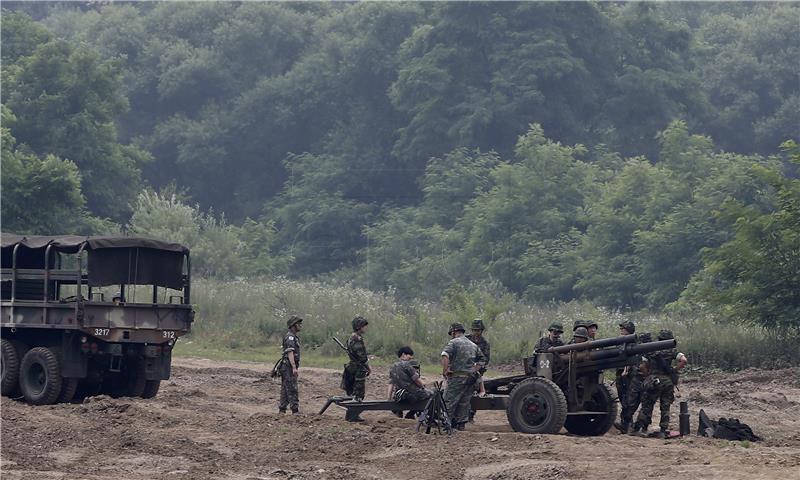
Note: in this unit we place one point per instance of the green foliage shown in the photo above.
(66, 100)
(753, 277)
(218, 248)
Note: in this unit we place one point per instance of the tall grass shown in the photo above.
(244, 315)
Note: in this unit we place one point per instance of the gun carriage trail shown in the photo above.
(218, 420)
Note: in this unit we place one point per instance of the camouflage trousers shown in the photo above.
(632, 398)
(289, 395)
(358, 372)
(457, 397)
(656, 389)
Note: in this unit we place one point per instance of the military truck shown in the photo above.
(89, 315)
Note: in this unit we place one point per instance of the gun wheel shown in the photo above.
(595, 425)
(537, 405)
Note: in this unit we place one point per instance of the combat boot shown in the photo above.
(281, 410)
(622, 427)
(661, 434)
(461, 427)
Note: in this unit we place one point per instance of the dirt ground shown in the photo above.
(218, 420)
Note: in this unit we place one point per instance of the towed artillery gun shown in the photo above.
(64, 338)
(562, 387)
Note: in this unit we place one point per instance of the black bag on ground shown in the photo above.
(725, 428)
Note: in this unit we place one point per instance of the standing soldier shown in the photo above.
(659, 386)
(358, 369)
(552, 339)
(623, 381)
(478, 339)
(290, 366)
(461, 364)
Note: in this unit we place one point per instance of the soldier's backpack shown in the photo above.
(726, 429)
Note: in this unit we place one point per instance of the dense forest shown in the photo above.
(636, 155)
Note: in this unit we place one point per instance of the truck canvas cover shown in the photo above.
(112, 259)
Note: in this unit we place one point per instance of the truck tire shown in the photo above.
(9, 364)
(595, 425)
(68, 388)
(40, 376)
(151, 388)
(536, 405)
(135, 379)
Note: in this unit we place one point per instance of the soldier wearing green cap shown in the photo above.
(290, 366)
(552, 339)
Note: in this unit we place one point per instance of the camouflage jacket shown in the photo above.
(291, 344)
(483, 344)
(544, 343)
(357, 348)
(463, 355)
(403, 374)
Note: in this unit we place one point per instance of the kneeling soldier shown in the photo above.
(406, 385)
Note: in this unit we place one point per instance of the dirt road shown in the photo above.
(218, 420)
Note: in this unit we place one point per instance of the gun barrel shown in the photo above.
(626, 351)
(606, 342)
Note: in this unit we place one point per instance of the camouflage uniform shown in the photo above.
(658, 387)
(483, 344)
(289, 395)
(544, 343)
(463, 355)
(357, 367)
(403, 376)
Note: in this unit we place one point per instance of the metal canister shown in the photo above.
(683, 418)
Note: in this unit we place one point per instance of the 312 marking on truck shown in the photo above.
(169, 334)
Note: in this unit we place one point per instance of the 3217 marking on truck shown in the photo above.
(101, 332)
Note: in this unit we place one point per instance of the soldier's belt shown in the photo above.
(462, 374)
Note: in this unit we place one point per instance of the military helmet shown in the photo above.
(578, 323)
(628, 326)
(359, 322)
(555, 326)
(477, 324)
(455, 327)
(665, 335)
(590, 323)
(581, 332)
(414, 363)
(645, 337)
(293, 320)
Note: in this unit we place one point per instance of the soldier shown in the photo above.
(405, 383)
(580, 335)
(478, 339)
(290, 366)
(358, 369)
(552, 339)
(659, 386)
(461, 364)
(623, 381)
(591, 327)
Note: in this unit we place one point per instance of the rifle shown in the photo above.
(349, 353)
(276, 369)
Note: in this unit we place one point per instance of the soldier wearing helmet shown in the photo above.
(552, 339)
(478, 339)
(626, 376)
(580, 335)
(358, 369)
(461, 364)
(659, 386)
(290, 366)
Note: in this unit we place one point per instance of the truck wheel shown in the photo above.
(9, 365)
(595, 425)
(40, 376)
(536, 405)
(151, 388)
(135, 379)
(68, 388)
